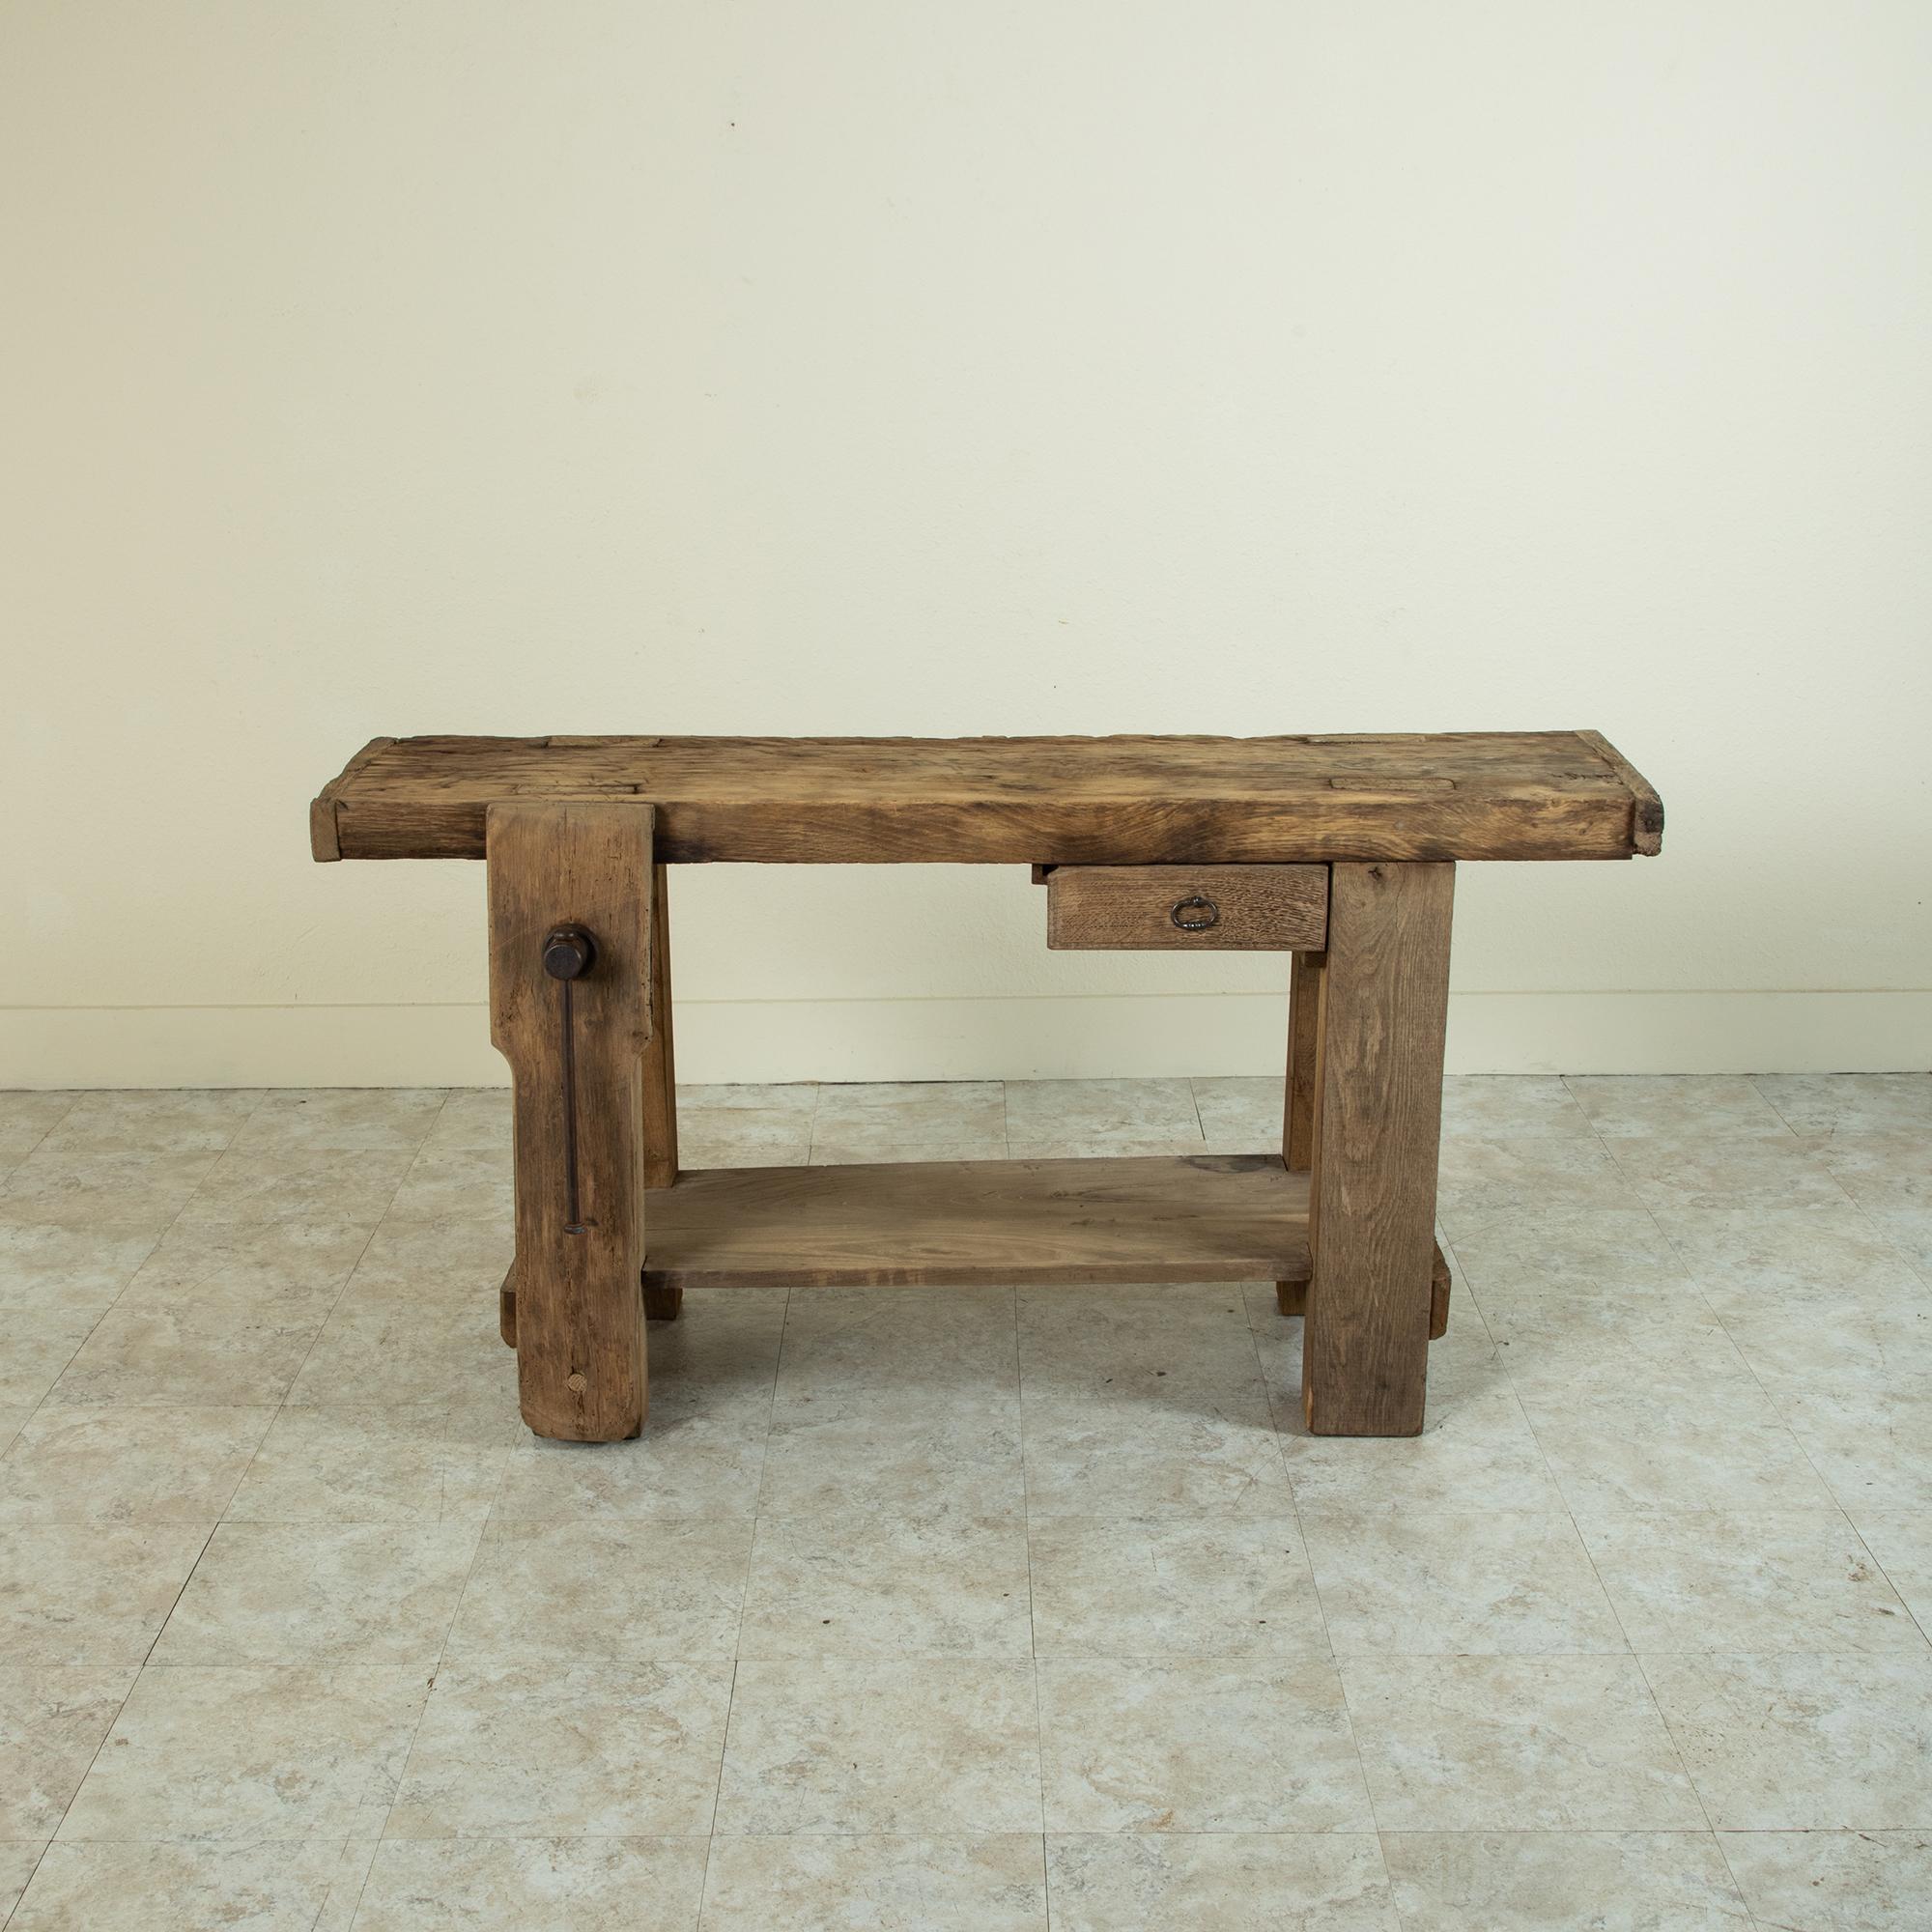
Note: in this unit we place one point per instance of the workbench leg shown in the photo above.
(1378, 1130)
(661, 1303)
(1297, 1127)
(577, 1067)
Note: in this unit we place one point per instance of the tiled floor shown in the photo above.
(969, 1609)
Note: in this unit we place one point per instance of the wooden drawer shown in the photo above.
(1188, 908)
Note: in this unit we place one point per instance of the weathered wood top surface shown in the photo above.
(1045, 801)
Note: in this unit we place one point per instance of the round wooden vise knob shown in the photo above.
(569, 952)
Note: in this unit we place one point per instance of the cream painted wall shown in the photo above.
(884, 367)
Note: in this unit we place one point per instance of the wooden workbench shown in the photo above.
(1337, 849)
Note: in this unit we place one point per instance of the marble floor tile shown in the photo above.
(922, 1745)
(269, 1260)
(1484, 1582)
(79, 1271)
(472, 1116)
(1563, 1882)
(285, 1885)
(18, 1858)
(898, 1116)
(1502, 1106)
(159, 1120)
(1709, 1331)
(703, 1453)
(533, 1885)
(724, 1345)
(1782, 1579)
(245, 1756)
(1581, 1351)
(1713, 1107)
(1598, 1253)
(42, 1339)
(341, 1120)
(89, 1593)
(1729, 1450)
(1161, 1586)
(871, 1884)
(711, 1134)
(1306, 1882)
(879, 1450)
(1483, 1183)
(1114, 1343)
(1474, 1455)
(1859, 1103)
(453, 1255)
(87, 1193)
(1104, 1147)
(511, 1748)
(1797, 1742)
(1889, 1171)
(796, 1097)
(52, 1724)
(1515, 1743)
(1097, 1113)
(81, 1462)
(1180, 1457)
(604, 1587)
(1909, 1229)
(827, 1152)
(1865, 1347)
(1198, 1745)
(1242, 1109)
(1834, 1881)
(26, 1120)
(1742, 1258)
(956, 1341)
(386, 1349)
(1872, 1446)
(319, 1184)
(943, 1583)
(1697, 1175)
(223, 1344)
(431, 1462)
(475, 1185)
(1900, 1541)
(321, 1594)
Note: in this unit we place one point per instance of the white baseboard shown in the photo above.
(961, 1039)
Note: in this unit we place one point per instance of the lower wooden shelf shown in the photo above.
(1189, 1217)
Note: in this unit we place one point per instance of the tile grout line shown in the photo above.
(349, 1276)
(743, 1597)
(415, 1730)
(1026, 1544)
(1776, 1407)
(141, 1667)
(148, 1254)
(1884, 1236)
(1590, 1555)
(1315, 1585)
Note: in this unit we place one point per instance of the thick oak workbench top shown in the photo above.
(1024, 801)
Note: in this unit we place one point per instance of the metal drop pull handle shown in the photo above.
(569, 952)
(1195, 914)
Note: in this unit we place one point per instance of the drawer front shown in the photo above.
(1188, 908)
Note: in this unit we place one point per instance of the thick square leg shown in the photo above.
(1377, 1129)
(575, 1050)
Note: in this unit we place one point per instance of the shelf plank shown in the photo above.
(1187, 1217)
